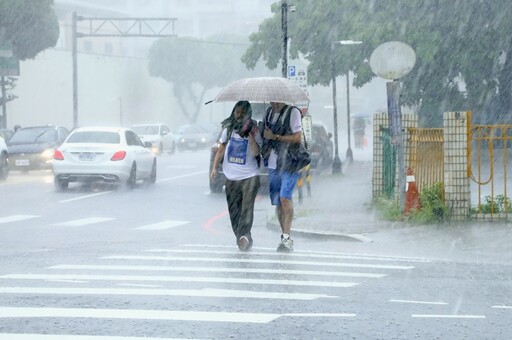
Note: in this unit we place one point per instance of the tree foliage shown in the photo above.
(194, 66)
(463, 49)
(29, 26)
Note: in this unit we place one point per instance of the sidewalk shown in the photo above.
(339, 205)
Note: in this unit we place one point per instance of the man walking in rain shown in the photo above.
(283, 128)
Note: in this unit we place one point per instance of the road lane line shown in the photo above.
(502, 307)
(162, 225)
(216, 270)
(419, 302)
(85, 196)
(199, 279)
(182, 176)
(245, 260)
(83, 221)
(217, 293)
(16, 218)
(448, 316)
(272, 253)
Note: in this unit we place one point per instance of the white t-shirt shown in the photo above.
(239, 159)
(295, 126)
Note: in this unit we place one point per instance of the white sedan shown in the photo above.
(106, 154)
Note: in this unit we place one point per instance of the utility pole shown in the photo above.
(284, 29)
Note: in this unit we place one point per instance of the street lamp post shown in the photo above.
(284, 28)
(336, 163)
(349, 157)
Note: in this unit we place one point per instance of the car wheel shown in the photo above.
(152, 177)
(4, 167)
(60, 184)
(132, 180)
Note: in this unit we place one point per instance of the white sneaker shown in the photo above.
(286, 245)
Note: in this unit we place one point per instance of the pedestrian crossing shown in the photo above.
(200, 284)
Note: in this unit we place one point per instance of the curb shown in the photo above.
(323, 235)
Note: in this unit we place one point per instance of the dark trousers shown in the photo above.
(241, 196)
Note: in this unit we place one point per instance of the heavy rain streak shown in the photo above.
(265, 169)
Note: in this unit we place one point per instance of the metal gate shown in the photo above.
(426, 156)
(490, 169)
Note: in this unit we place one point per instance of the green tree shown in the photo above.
(461, 48)
(194, 66)
(29, 26)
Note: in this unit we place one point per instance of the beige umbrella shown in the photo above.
(263, 89)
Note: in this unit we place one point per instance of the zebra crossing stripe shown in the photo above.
(141, 314)
(163, 225)
(215, 270)
(245, 260)
(274, 253)
(84, 221)
(207, 292)
(16, 218)
(25, 336)
(259, 281)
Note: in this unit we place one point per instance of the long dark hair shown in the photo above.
(231, 123)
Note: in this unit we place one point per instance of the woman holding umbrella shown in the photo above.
(240, 143)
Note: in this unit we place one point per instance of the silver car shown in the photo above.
(159, 135)
(106, 154)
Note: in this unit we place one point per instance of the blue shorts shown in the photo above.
(281, 184)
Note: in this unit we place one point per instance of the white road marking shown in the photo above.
(138, 285)
(419, 302)
(308, 252)
(216, 270)
(502, 307)
(182, 176)
(223, 293)
(25, 336)
(141, 314)
(272, 253)
(200, 279)
(85, 196)
(163, 225)
(448, 316)
(68, 281)
(245, 260)
(16, 218)
(84, 221)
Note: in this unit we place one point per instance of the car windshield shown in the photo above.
(103, 137)
(146, 130)
(34, 135)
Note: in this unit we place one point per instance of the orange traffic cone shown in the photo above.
(412, 196)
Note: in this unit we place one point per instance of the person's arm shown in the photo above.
(218, 155)
(253, 143)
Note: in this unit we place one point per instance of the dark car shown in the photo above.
(32, 148)
(193, 137)
(217, 184)
(321, 148)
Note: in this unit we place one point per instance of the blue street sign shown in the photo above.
(291, 71)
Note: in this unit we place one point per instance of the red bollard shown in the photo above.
(412, 196)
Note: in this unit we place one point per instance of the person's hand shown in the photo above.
(213, 174)
(267, 134)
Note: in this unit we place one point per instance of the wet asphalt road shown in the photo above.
(161, 262)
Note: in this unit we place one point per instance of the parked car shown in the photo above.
(6, 134)
(321, 148)
(105, 154)
(4, 160)
(193, 137)
(159, 135)
(217, 184)
(32, 148)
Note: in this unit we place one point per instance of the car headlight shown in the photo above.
(48, 154)
(203, 140)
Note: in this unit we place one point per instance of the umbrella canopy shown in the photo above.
(263, 89)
